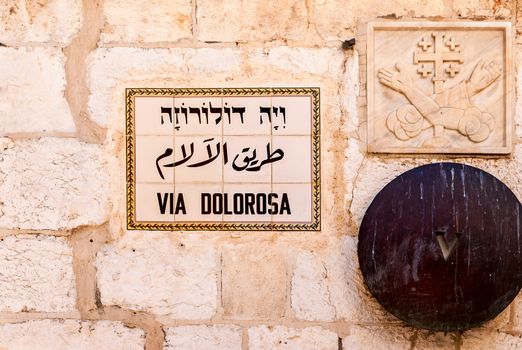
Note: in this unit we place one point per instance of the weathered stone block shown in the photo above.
(326, 62)
(32, 84)
(160, 273)
(311, 299)
(36, 274)
(482, 8)
(146, 21)
(428, 340)
(253, 281)
(361, 338)
(328, 286)
(54, 21)
(283, 338)
(251, 20)
(490, 339)
(336, 20)
(203, 337)
(53, 184)
(70, 334)
(517, 320)
(518, 93)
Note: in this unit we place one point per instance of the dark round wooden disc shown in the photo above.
(402, 239)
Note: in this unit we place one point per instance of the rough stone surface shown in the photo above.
(253, 281)
(517, 95)
(53, 184)
(427, 340)
(490, 339)
(283, 338)
(70, 334)
(36, 274)
(482, 8)
(160, 273)
(31, 95)
(311, 299)
(39, 21)
(362, 338)
(328, 286)
(236, 20)
(518, 25)
(336, 20)
(350, 91)
(325, 62)
(203, 337)
(146, 21)
(517, 321)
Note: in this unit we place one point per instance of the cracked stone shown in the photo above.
(53, 184)
(160, 273)
(36, 274)
(39, 77)
(70, 334)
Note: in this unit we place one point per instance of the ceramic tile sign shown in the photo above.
(439, 87)
(223, 159)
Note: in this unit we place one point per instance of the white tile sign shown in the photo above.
(223, 159)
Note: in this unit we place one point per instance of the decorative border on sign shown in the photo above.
(132, 224)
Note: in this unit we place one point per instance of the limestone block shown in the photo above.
(36, 274)
(517, 320)
(336, 20)
(328, 286)
(53, 184)
(146, 21)
(391, 338)
(311, 299)
(501, 321)
(54, 21)
(518, 24)
(351, 90)
(427, 340)
(283, 338)
(203, 337)
(490, 339)
(70, 334)
(32, 84)
(518, 93)
(482, 8)
(253, 281)
(237, 20)
(160, 273)
(322, 61)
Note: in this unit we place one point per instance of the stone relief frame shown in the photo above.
(439, 87)
(313, 134)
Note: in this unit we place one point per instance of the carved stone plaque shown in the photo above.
(440, 247)
(439, 87)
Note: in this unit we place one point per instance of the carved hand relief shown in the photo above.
(439, 87)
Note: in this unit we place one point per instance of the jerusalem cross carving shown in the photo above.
(439, 87)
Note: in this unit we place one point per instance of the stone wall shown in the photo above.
(72, 276)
